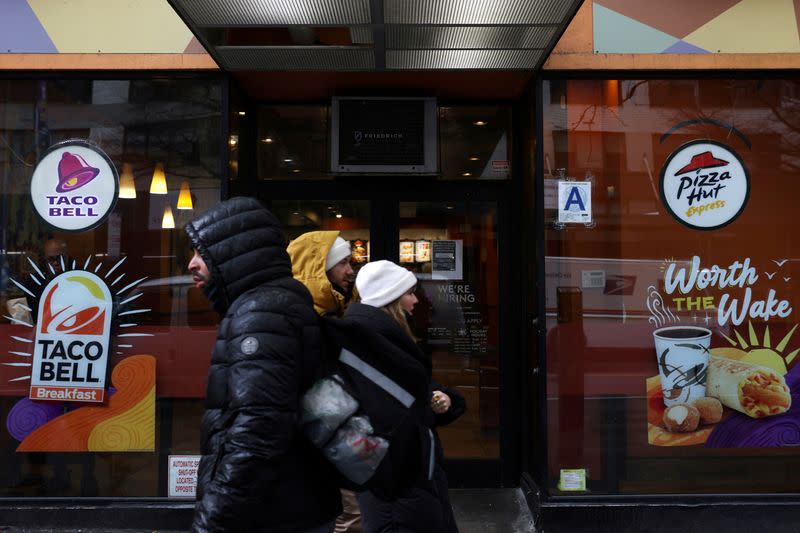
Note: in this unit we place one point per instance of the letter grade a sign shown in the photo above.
(575, 202)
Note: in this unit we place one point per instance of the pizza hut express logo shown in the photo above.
(704, 185)
(74, 186)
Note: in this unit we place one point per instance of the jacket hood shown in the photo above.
(308, 253)
(243, 247)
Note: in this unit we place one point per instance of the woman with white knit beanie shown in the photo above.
(376, 330)
(389, 287)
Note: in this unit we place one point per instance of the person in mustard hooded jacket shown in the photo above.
(321, 262)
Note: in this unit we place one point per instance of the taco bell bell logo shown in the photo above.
(74, 187)
(74, 172)
(704, 185)
(72, 339)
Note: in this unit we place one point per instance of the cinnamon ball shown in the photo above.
(710, 410)
(681, 418)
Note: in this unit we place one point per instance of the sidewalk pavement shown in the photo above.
(491, 511)
(476, 511)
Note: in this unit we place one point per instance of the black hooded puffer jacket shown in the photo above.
(257, 472)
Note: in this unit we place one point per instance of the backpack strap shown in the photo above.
(377, 377)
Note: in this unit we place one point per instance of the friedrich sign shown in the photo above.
(704, 185)
(74, 186)
(72, 339)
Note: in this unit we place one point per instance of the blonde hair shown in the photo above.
(395, 311)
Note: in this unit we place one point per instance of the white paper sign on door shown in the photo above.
(183, 476)
(447, 259)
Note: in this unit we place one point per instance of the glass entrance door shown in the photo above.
(452, 249)
(452, 245)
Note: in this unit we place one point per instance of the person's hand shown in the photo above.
(440, 402)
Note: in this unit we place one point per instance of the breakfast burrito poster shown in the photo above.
(722, 310)
(726, 346)
(695, 201)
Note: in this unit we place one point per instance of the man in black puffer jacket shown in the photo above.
(257, 472)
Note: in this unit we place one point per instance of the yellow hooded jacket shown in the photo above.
(308, 253)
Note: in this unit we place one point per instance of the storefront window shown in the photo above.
(452, 249)
(292, 142)
(164, 138)
(692, 194)
(474, 142)
(350, 218)
(237, 116)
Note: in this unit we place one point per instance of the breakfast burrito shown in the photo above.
(751, 389)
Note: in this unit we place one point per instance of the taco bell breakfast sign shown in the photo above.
(704, 185)
(74, 187)
(72, 339)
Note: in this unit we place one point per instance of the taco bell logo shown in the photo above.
(74, 172)
(72, 339)
(74, 187)
(704, 185)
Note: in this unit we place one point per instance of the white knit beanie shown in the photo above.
(382, 282)
(339, 250)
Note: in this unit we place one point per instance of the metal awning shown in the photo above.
(377, 35)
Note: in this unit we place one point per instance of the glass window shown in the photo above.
(475, 142)
(452, 249)
(237, 116)
(292, 142)
(350, 218)
(693, 186)
(165, 131)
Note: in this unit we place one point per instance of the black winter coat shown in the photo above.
(421, 504)
(257, 472)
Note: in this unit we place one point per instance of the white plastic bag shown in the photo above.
(325, 407)
(355, 451)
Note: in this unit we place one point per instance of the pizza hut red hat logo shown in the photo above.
(704, 185)
(701, 161)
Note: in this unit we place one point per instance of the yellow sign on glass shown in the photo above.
(572, 480)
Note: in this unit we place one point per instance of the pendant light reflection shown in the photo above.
(168, 221)
(185, 197)
(127, 185)
(158, 185)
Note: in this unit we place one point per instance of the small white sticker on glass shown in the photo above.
(572, 480)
